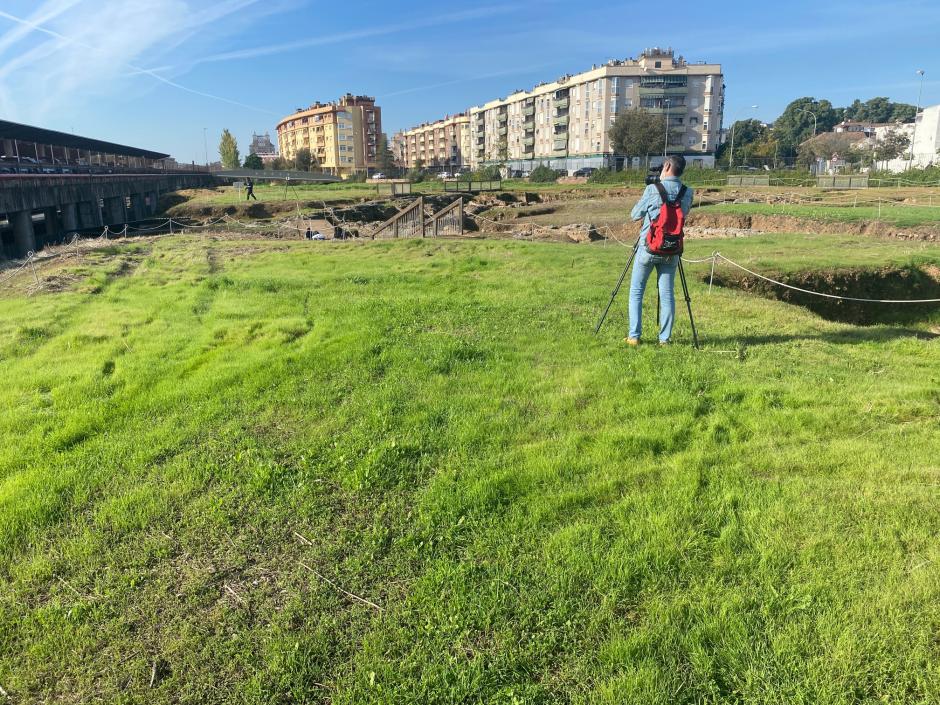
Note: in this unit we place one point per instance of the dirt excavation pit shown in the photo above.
(898, 283)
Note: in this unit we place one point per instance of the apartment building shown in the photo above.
(923, 135)
(564, 124)
(445, 143)
(342, 137)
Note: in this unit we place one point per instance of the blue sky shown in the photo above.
(154, 73)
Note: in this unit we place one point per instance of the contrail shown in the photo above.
(35, 26)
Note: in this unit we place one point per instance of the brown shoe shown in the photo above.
(632, 342)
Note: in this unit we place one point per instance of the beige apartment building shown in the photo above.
(342, 137)
(445, 143)
(564, 124)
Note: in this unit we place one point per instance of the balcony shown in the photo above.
(672, 90)
(502, 131)
(561, 102)
(560, 144)
(528, 141)
(672, 110)
(528, 111)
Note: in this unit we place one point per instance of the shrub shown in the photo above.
(415, 176)
(543, 174)
(487, 173)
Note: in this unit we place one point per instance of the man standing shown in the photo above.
(250, 186)
(669, 193)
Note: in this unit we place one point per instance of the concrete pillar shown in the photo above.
(24, 239)
(70, 217)
(114, 211)
(89, 213)
(53, 229)
(138, 207)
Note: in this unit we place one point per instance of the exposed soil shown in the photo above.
(789, 224)
(895, 283)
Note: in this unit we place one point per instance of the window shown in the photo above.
(693, 121)
(705, 125)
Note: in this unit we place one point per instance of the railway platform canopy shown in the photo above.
(29, 149)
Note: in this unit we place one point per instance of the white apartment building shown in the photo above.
(925, 133)
(564, 124)
(445, 143)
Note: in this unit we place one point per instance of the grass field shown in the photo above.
(213, 452)
(902, 215)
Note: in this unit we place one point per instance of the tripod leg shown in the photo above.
(688, 303)
(613, 295)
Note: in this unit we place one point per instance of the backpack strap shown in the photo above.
(662, 192)
(681, 193)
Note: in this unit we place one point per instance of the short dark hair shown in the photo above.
(677, 162)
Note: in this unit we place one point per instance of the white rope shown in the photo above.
(718, 255)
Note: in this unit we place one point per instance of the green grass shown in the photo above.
(542, 515)
(904, 216)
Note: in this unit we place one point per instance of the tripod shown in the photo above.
(623, 275)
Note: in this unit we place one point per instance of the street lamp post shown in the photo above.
(205, 144)
(920, 93)
(666, 139)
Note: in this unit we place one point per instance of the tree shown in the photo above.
(302, 159)
(637, 133)
(276, 164)
(253, 161)
(746, 133)
(386, 159)
(796, 124)
(416, 174)
(891, 145)
(228, 150)
(879, 110)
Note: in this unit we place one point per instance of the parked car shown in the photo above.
(585, 171)
(444, 175)
(378, 175)
(318, 236)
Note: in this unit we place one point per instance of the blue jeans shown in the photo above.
(666, 277)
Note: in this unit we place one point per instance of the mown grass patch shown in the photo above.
(195, 459)
(901, 215)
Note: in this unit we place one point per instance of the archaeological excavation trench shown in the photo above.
(900, 283)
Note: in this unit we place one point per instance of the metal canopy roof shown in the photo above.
(27, 133)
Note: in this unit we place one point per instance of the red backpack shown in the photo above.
(665, 234)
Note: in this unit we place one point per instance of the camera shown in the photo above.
(652, 176)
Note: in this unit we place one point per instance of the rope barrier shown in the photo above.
(718, 255)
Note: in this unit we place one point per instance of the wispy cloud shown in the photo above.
(457, 81)
(359, 34)
(91, 48)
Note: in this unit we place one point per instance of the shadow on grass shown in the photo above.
(846, 337)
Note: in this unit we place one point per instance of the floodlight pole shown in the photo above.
(920, 92)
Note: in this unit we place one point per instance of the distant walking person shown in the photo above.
(250, 186)
(662, 208)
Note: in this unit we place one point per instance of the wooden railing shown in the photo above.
(411, 221)
(448, 221)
